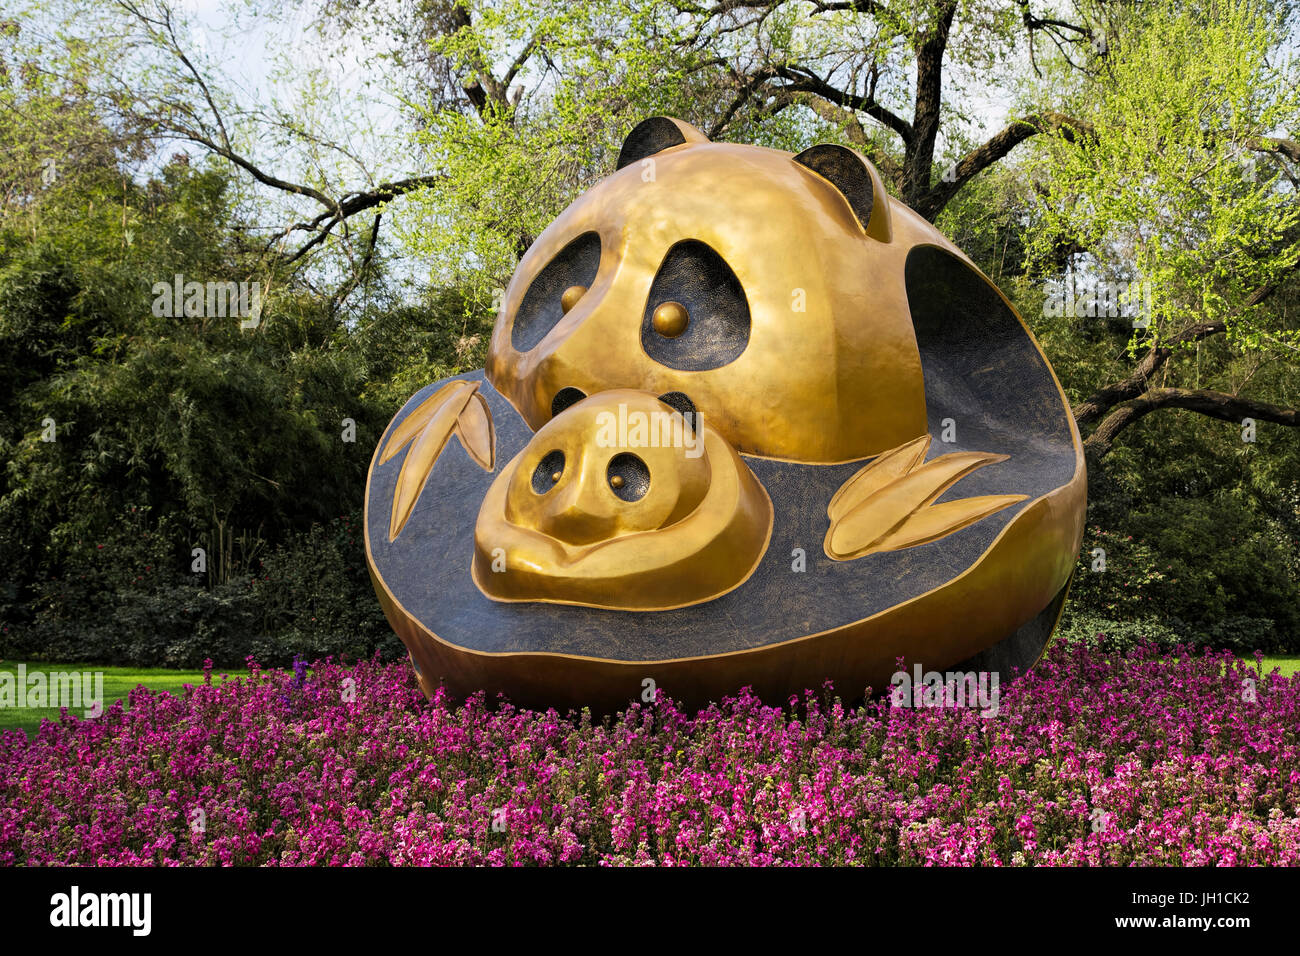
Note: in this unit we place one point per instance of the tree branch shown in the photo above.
(1272, 144)
(806, 81)
(1220, 405)
(749, 86)
(1135, 384)
(932, 202)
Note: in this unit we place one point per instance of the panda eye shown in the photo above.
(696, 317)
(548, 471)
(628, 476)
(554, 290)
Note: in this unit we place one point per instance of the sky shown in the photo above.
(253, 50)
(245, 47)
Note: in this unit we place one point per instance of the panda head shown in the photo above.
(761, 289)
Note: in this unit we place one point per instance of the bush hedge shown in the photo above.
(129, 605)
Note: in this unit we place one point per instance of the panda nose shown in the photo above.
(565, 518)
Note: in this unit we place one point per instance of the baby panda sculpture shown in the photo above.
(745, 420)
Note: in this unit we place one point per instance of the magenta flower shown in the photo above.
(1091, 759)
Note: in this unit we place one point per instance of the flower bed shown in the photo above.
(1150, 759)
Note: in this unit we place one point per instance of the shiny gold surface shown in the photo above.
(889, 504)
(698, 529)
(831, 371)
(476, 433)
(455, 409)
(418, 420)
(1022, 570)
(570, 296)
(880, 226)
(670, 319)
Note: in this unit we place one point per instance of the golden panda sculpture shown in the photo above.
(745, 420)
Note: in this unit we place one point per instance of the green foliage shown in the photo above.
(1117, 635)
(314, 594)
(407, 347)
(986, 220)
(124, 602)
(1171, 187)
(177, 432)
(122, 599)
(509, 170)
(1240, 634)
(1216, 569)
(1132, 582)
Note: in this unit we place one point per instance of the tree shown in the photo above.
(146, 67)
(1142, 118)
(1184, 187)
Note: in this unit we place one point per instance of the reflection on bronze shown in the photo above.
(456, 409)
(670, 319)
(687, 523)
(889, 504)
(817, 333)
(830, 370)
(569, 298)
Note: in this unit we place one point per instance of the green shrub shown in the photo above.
(315, 595)
(171, 625)
(1134, 584)
(1120, 636)
(1239, 634)
(1244, 635)
(128, 602)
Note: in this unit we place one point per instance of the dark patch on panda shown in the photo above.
(634, 472)
(647, 138)
(566, 398)
(540, 309)
(717, 331)
(680, 401)
(846, 173)
(982, 371)
(552, 463)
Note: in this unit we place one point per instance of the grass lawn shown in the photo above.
(1288, 664)
(118, 682)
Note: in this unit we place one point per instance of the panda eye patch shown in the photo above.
(696, 316)
(554, 290)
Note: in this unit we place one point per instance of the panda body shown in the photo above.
(893, 471)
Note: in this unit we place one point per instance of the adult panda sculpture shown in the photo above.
(745, 420)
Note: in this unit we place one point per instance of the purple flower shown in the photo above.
(1157, 758)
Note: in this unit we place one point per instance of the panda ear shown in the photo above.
(655, 134)
(857, 181)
